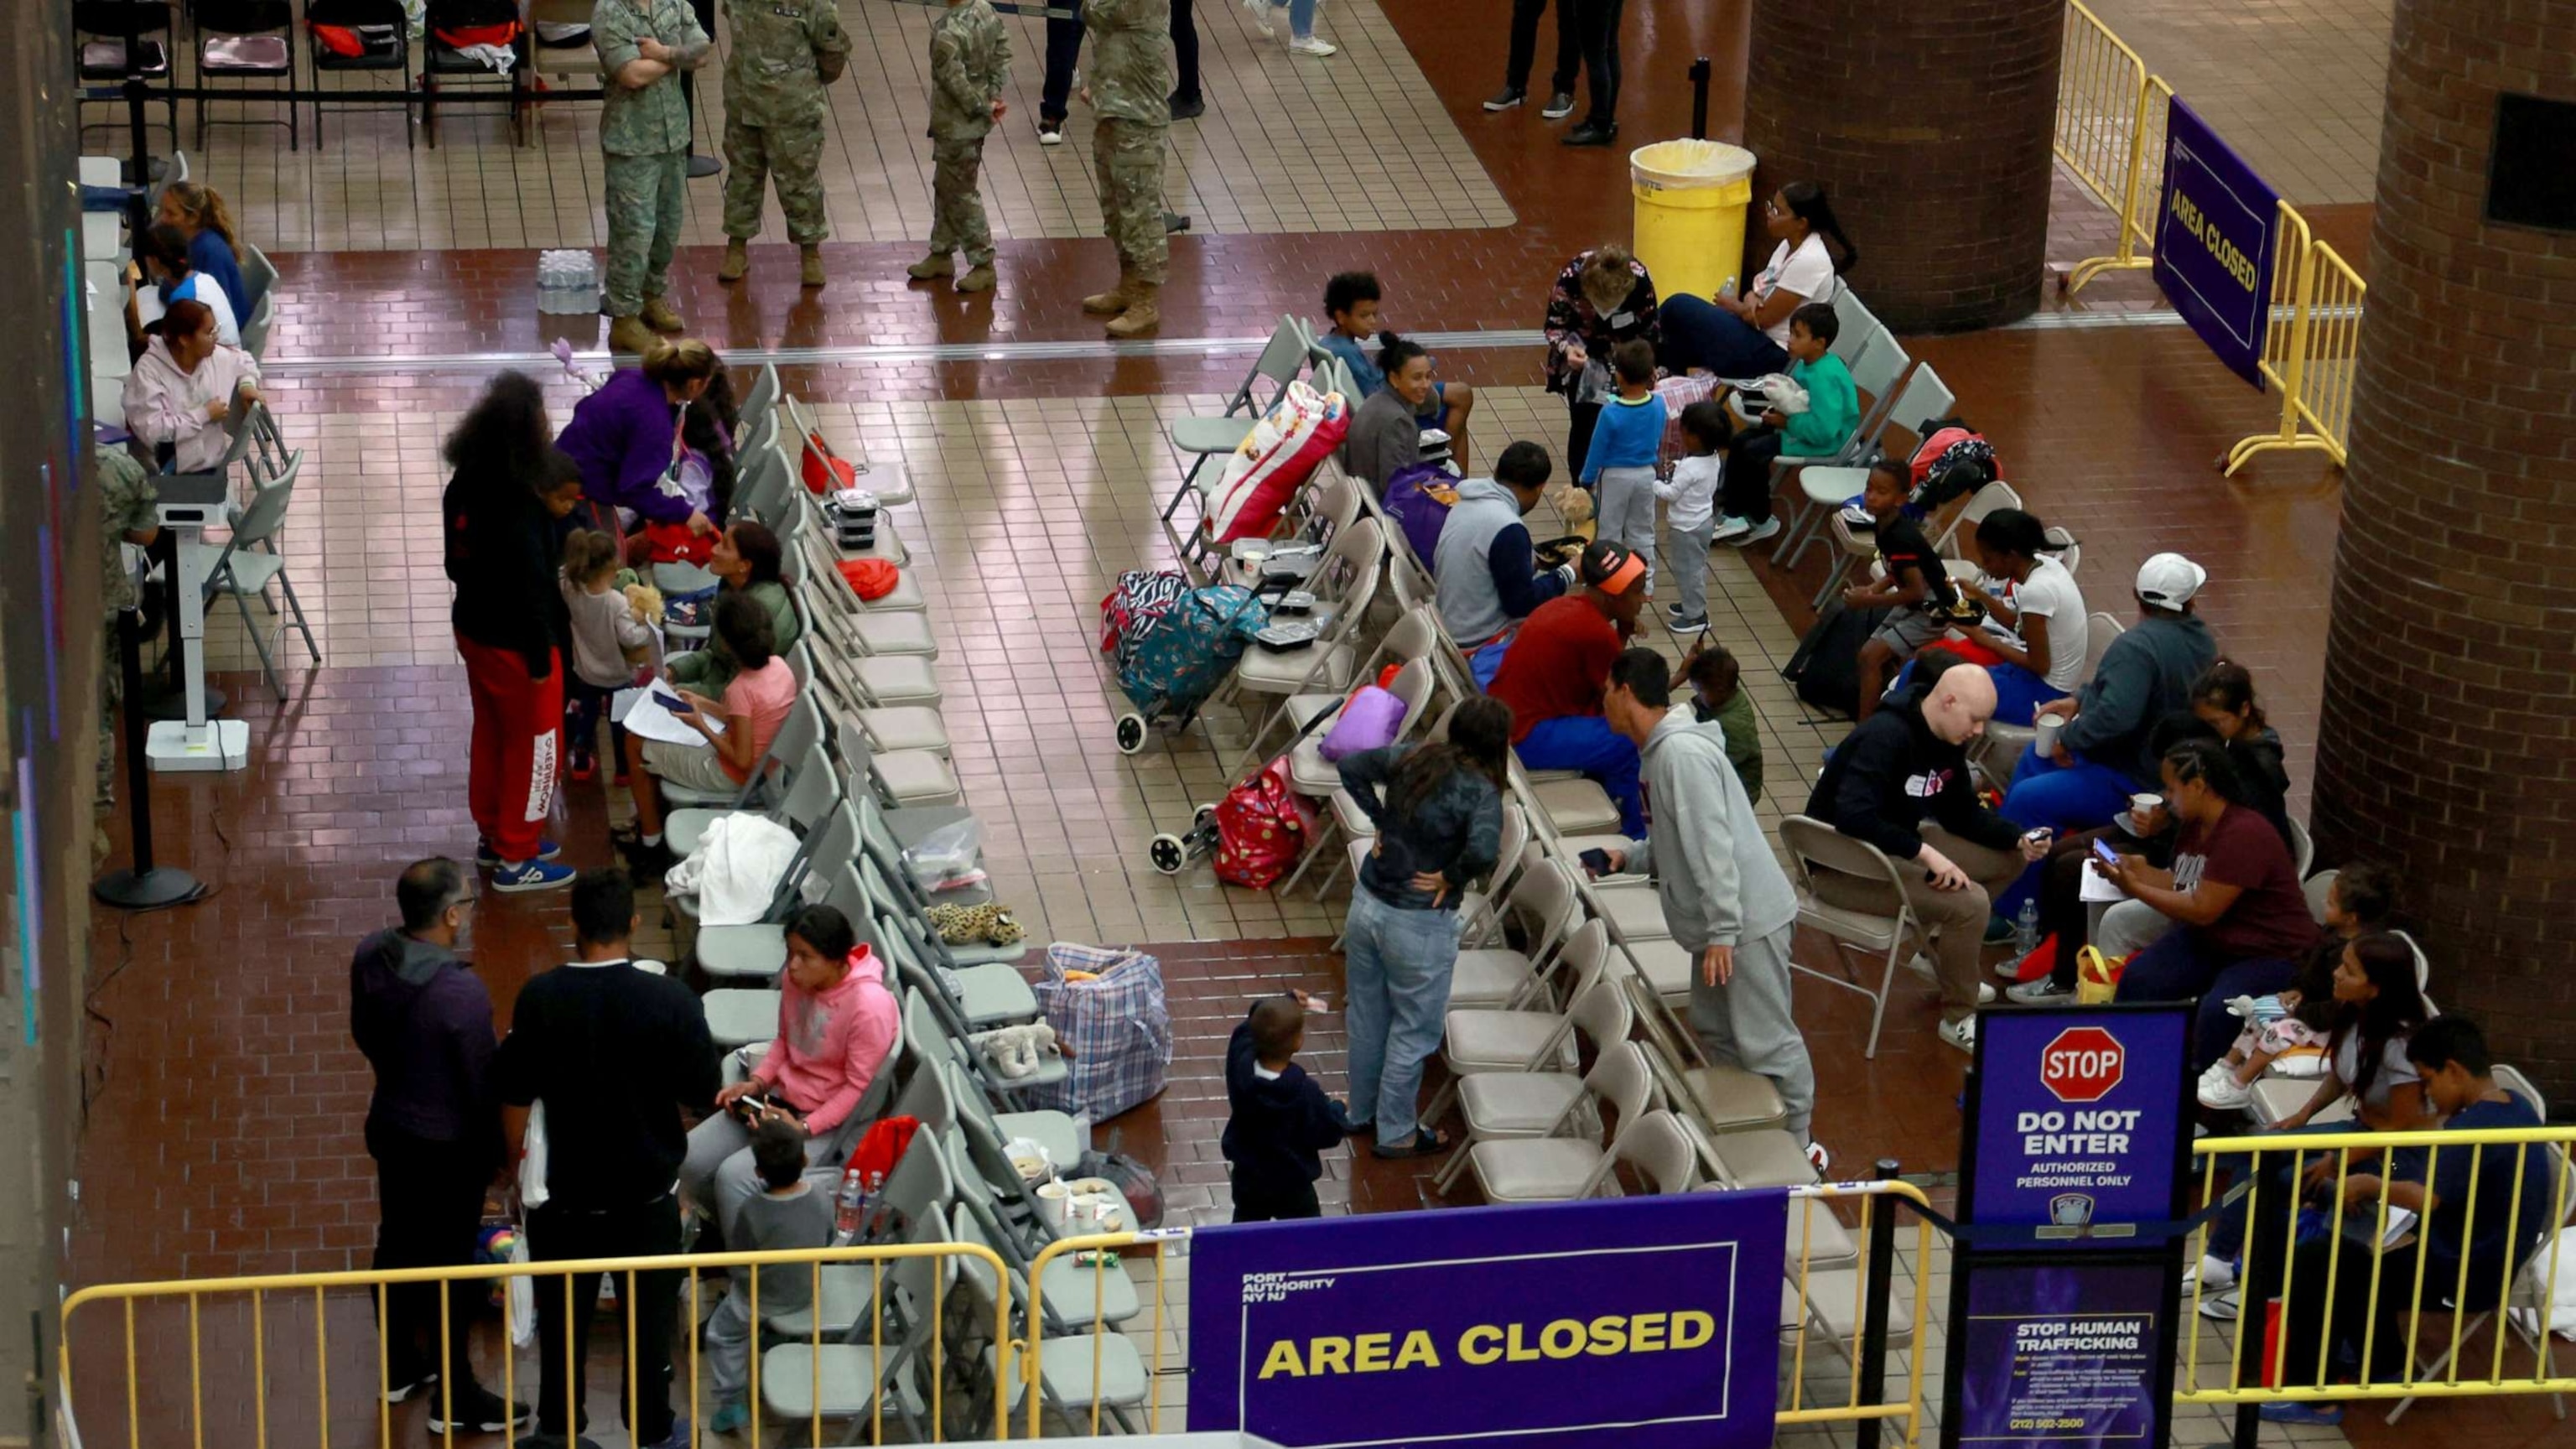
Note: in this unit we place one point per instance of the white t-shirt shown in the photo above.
(1807, 272)
(2050, 593)
(149, 308)
(2394, 1070)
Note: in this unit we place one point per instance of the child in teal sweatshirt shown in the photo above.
(1833, 411)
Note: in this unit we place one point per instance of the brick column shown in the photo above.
(2448, 746)
(1928, 123)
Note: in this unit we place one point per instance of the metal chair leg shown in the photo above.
(303, 627)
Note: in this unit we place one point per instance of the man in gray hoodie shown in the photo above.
(1724, 895)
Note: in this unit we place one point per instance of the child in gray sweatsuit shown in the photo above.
(1724, 895)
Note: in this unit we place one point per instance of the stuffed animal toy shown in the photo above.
(1016, 1051)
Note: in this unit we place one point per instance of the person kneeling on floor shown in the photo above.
(1724, 895)
(1488, 571)
(1553, 673)
(1900, 782)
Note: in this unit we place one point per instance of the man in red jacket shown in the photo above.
(1555, 671)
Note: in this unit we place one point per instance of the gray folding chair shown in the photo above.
(245, 564)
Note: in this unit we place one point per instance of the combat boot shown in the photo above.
(978, 280)
(657, 314)
(1116, 300)
(737, 261)
(937, 264)
(1144, 311)
(629, 334)
(812, 275)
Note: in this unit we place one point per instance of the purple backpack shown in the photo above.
(1421, 515)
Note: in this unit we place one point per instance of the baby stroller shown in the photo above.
(1172, 647)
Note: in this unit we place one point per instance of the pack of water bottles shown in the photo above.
(567, 282)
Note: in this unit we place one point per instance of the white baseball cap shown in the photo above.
(2169, 580)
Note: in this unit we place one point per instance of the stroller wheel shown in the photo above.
(1168, 854)
(1202, 818)
(1131, 733)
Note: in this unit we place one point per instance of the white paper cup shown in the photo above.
(2142, 805)
(2049, 727)
(1055, 1202)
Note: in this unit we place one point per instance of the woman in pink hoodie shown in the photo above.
(836, 1028)
(184, 387)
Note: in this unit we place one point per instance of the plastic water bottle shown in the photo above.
(2026, 930)
(850, 1205)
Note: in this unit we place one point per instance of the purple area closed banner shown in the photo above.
(1640, 1323)
(2216, 233)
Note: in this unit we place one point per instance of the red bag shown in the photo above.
(2041, 961)
(870, 578)
(677, 543)
(883, 1146)
(337, 39)
(1261, 829)
(826, 471)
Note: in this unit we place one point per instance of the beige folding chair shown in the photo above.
(1343, 585)
(1660, 1151)
(1544, 900)
(1814, 846)
(1724, 1098)
(1527, 1040)
(1497, 1105)
(1563, 1169)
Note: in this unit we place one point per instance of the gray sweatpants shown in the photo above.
(1625, 514)
(1747, 1023)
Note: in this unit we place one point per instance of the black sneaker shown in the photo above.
(1050, 133)
(479, 1411)
(1188, 108)
(400, 1387)
(1559, 106)
(1589, 134)
(1507, 98)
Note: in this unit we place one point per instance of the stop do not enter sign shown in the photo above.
(2082, 1064)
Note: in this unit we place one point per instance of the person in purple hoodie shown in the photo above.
(434, 1128)
(626, 436)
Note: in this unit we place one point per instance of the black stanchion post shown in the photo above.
(2249, 1425)
(1700, 73)
(1871, 1370)
(145, 886)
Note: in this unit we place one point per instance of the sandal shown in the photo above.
(1425, 1143)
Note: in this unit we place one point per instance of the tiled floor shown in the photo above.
(1042, 477)
(1289, 144)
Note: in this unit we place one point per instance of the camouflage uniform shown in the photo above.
(779, 56)
(970, 62)
(125, 505)
(1131, 87)
(644, 134)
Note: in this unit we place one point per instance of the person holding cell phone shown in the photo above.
(836, 1025)
(736, 730)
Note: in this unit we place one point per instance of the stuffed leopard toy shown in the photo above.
(984, 925)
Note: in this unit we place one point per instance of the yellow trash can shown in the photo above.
(1691, 197)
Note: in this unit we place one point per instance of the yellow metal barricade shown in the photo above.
(1105, 1258)
(2111, 135)
(134, 1310)
(2353, 1255)
(2312, 348)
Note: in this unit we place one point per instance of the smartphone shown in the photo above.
(673, 703)
(2108, 856)
(2041, 836)
(1595, 861)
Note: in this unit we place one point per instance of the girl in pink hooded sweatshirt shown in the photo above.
(836, 1027)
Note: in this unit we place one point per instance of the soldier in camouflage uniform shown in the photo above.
(1130, 86)
(782, 54)
(970, 62)
(126, 515)
(644, 131)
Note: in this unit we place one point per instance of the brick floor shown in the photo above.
(1044, 475)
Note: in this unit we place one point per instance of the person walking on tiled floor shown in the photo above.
(1524, 54)
(1597, 22)
(1130, 84)
(970, 64)
(781, 55)
(643, 46)
(126, 514)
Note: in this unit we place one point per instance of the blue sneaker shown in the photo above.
(679, 1436)
(534, 875)
(490, 859)
(2292, 1411)
(732, 1416)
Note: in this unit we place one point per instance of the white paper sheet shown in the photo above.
(644, 716)
(2097, 887)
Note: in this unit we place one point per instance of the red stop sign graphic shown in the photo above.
(2082, 1065)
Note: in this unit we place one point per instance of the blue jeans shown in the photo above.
(2227, 1230)
(1699, 333)
(2067, 798)
(1396, 966)
(1586, 742)
(1301, 17)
